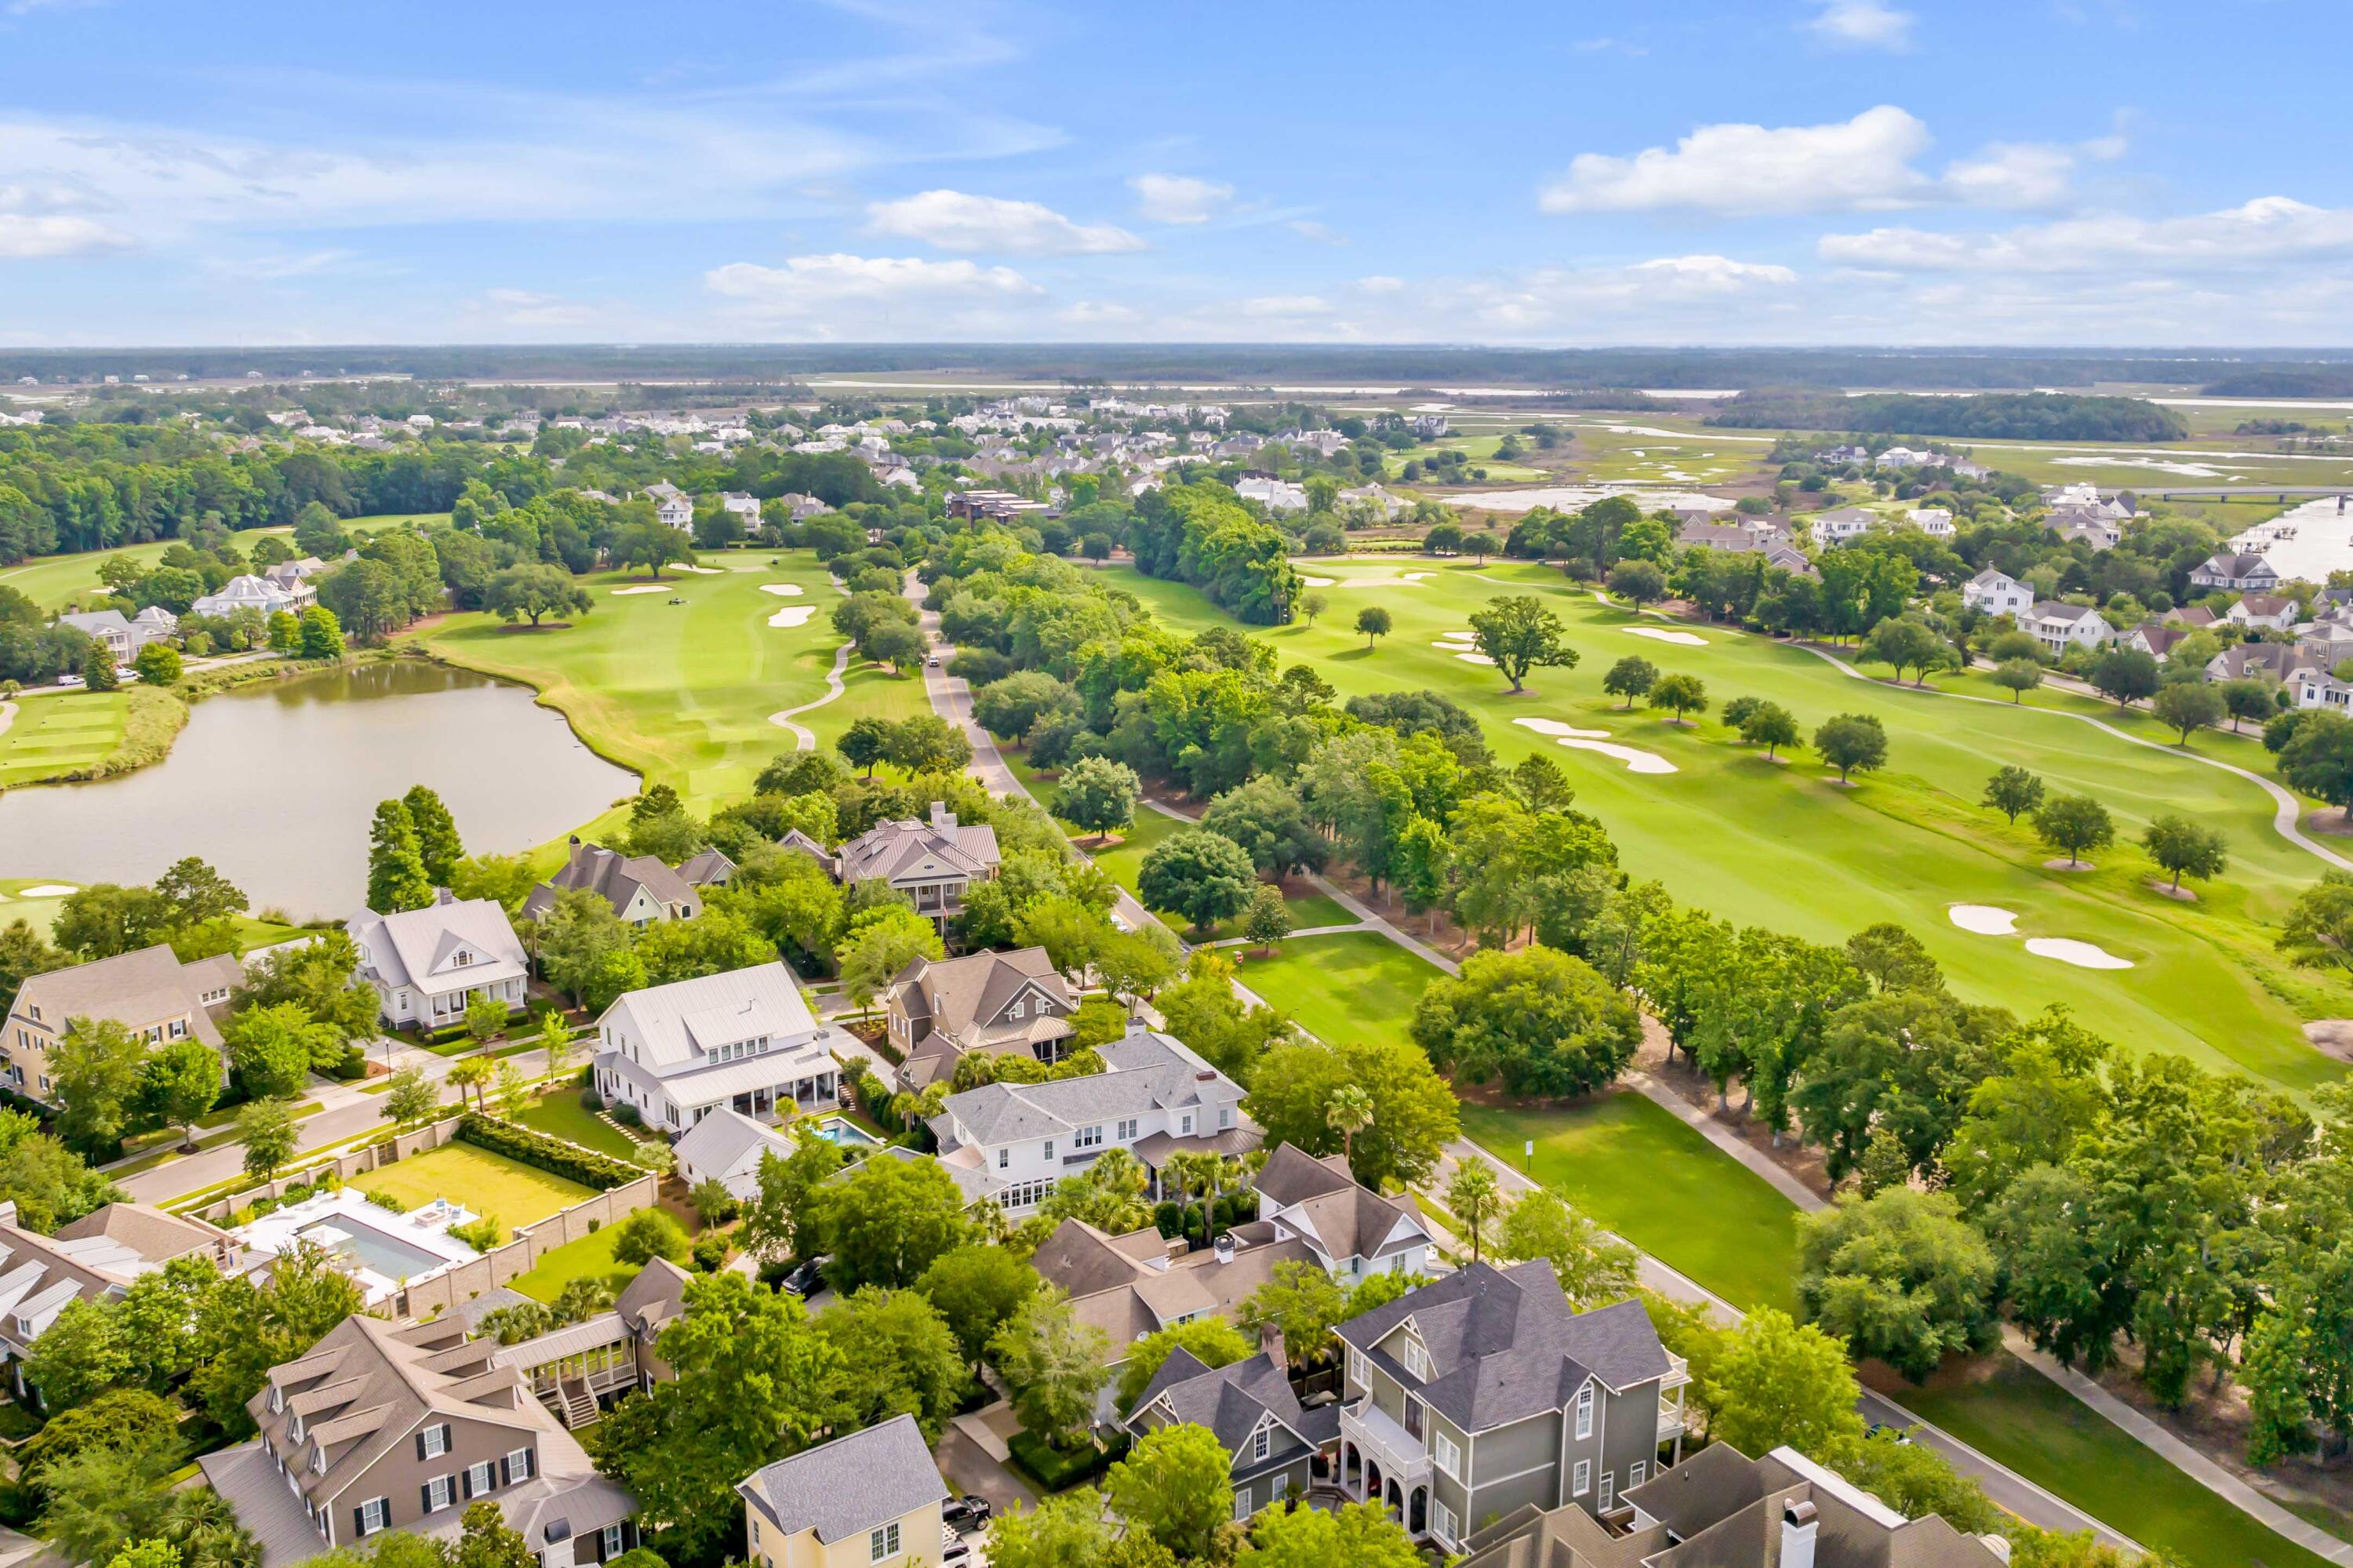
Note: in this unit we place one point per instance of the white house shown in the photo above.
(1155, 1097)
(2268, 612)
(1907, 457)
(1846, 522)
(266, 595)
(2062, 626)
(1275, 494)
(1352, 1230)
(727, 1147)
(2243, 572)
(745, 1041)
(743, 504)
(427, 964)
(1998, 593)
(672, 505)
(1934, 520)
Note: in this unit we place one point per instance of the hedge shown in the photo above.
(557, 1156)
(1055, 1470)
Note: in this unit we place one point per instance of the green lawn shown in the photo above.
(1351, 985)
(2029, 1423)
(50, 581)
(1783, 847)
(52, 736)
(1661, 1185)
(681, 692)
(487, 1183)
(560, 1113)
(590, 1257)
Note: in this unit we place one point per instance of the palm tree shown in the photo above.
(471, 1073)
(1349, 1113)
(1184, 1172)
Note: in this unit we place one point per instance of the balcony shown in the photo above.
(1398, 1453)
(1671, 1400)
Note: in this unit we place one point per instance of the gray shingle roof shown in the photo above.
(1505, 1344)
(1143, 1072)
(851, 1485)
(135, 989)
(595, 869)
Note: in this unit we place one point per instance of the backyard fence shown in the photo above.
(463, 1281)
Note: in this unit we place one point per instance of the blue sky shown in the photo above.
(2097, 172)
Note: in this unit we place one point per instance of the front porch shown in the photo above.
(1382, 1462)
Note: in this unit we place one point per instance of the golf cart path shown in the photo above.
(8, 715)
(805, 737)
(2285, 809)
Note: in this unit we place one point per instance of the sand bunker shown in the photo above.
(1682, 638)
(1474, 658)
(2082, 955)
(1401, 580)
(645, 588)
(1315, 582)
(789, 590)
(701, 571)
(1636, 760)
(47, 890)
(1985, 919)
(793, 615)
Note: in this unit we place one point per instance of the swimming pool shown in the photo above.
(848, 1134)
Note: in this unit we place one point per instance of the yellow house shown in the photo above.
(867, 1500)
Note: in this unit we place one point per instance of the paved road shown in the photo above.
(951, 698)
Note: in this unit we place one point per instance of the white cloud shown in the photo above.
(1321, 233)
(524, 308)
(953, 221)
(1851, 165)
(1267, 305)
(1179, 198)
(1863, 24)
(1715, 272)
(27, 236)
(1096, 312)
(1381, 283)
(2266, 229)
(811, 286)
(1868, 163)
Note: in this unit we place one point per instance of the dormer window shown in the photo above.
(1417, 1361)
(1262, 1443)
(297, 1433)
(277, 1400)
(319, 1459)
(1014, 1011)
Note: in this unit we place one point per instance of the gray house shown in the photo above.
(1486, 1392)
(1254, 1412)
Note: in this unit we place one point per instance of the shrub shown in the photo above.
(591, 1101)
(1055, 1470)
(526, 1146)
(627, 1115)
(481, 1234)
(710, 1254)
(384, 1201)
(646, 1234)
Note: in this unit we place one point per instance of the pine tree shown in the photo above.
(436, 835)
(396, 878)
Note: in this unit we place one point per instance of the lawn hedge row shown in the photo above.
(1055, 1470)
(542, 1151)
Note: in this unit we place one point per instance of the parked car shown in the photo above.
(805, 1279)
(954, 1549)
(967, 1512)
(69, 681)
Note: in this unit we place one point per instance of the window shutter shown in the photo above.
(420, 1442)
(466, 1480)
(530, 1462)
(425, 1498)
(506, 1476)
(359, 1523)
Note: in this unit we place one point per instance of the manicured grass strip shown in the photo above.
(561, 1114)
(590, 1257)
(1661, 1185)
(54, 735)
(1351, 985)
(2022, 1419)
(485, 1183)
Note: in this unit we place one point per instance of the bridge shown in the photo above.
(2283, 493)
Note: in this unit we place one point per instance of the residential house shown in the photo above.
(578, 1370)
(150, 992)
(2317, 688)
(867, 1500)
(266, 596)
(2327, 644)
(1276, 494)
(123, 636)
(743, 506)
(2090, 525)
(1994, 592)
(427, 965)
(727, 1147)
(1934, 520)
(386, 1427)
(800, 508)
(1371, 493)
(2153, 639)
(1155, 1098)
(2244, 573)
(94, 1258)
(1842, 524)
(673, 507)
(1784, 556)
(2268, 613)
(745, 1038)
(640, 888)
(2189, 617)
(1428, 426)
(1720, 1509)
(1352, 1230)
(2060, 626)
(2265, 661)
(931, 862)
(1486, 1392)
(940, 1013)
(1906, 457)
(709, 867)
(1253, 1412)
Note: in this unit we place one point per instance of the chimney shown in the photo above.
(1224, 1247)
(943, 819)
(1270, 1343)
(575, 841)
(1798, 1526)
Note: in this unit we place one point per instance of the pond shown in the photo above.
(275, 784)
